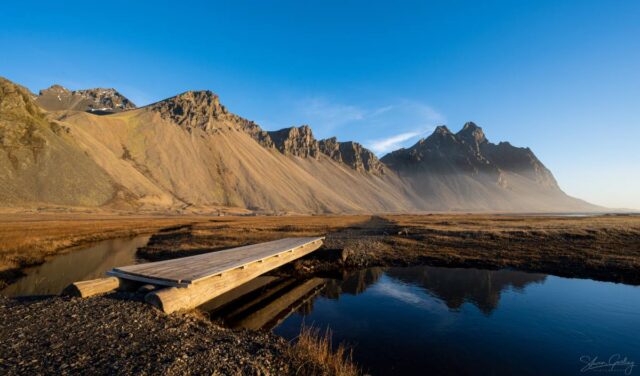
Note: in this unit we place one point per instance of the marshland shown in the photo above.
(412, 281)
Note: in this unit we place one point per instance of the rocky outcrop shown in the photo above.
(352, 154)
(192, 109)
(109, 100)
(98, 100)
(298, 141)
(443, 152)
(473, 136)
(469, 151)
(203, 110)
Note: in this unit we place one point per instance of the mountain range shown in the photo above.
(95, 149)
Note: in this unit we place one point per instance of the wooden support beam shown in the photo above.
(173, 299)
(278, 310)
(85, 289)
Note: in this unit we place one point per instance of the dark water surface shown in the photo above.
(431, 320)
(81, 264)
(416, 320)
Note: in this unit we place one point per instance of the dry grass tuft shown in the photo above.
(313, 354)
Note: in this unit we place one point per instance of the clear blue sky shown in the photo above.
(562, 77)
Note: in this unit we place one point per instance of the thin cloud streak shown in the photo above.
(330, 115)
(381, 128)
(388, 144)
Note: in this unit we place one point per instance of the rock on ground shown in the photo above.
(113, 335)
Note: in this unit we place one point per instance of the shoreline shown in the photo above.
(118, 330)
(605, 248)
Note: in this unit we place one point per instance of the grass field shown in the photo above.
(28, 239)
(603, 247)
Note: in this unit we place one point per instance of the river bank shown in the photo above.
(27, 240)
(117, 333)
(604, 248)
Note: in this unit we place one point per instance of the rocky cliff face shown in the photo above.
(298, 141)
(352, 154)
(469, 151)
(192, 109)
(98, 100)
(203, 110)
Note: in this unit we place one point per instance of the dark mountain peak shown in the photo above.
(469, 152)
(442, 130)
(470, 126)
(298, 141)
(440, 136)
(472, 135)
(352, 154)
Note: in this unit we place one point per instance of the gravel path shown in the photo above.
(111, 335)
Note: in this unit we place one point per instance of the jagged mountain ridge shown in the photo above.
(189, 152)
(193, 155)
(464, 170)
(98, 100)
(470, 151)
(203, 110)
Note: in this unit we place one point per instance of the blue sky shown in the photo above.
(561, 77)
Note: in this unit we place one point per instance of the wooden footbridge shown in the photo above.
(188, 282)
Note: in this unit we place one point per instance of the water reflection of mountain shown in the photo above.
(267, 301)
(353, 282)
(456, 286)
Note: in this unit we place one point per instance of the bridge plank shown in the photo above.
(185, 271)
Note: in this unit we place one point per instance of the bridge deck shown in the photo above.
(185, 271)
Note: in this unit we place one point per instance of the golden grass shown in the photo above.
(28, 239)
(228, 232)
(601, 247)
(313, 354)
(587, 246)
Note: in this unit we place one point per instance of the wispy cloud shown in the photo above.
(385, 145)
(405, 294)
(328, 114)
(381, 128)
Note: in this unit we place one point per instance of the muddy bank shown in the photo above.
(119, 334)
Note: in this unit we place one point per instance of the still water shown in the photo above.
(81, 264)
(416, 320)
(431, 320)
